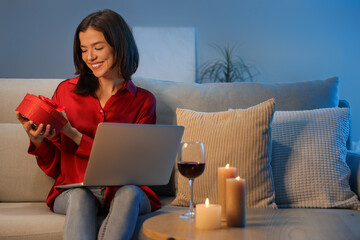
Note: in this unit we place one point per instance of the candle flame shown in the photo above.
(238, 178)
(227, 166)
(207, 202)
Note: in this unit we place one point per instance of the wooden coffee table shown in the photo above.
(261, 224)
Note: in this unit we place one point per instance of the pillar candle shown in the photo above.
(223, 174)
(207, 216)
(235, 202)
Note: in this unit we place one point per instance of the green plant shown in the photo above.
(228, 68)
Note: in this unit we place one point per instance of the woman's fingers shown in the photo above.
(35, 131)
(44, 132)
(48, 131)
(39, 131)
(18, 116)
(21, 118)
(52, 134)
(27, 126)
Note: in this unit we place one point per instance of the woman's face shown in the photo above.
(98, 54)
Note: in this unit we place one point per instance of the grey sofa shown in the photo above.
(24, 187)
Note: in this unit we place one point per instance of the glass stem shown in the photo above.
(191, 208)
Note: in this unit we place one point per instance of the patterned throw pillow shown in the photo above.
(309, 159)
(240, 137)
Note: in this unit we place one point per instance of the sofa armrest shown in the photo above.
(345, 104)
(353, 161)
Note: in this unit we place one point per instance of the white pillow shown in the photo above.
(309, 159)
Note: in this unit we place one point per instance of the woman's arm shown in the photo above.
(83, 141)
(148, 112)
(71, 132)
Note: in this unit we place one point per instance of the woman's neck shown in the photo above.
(109, 86)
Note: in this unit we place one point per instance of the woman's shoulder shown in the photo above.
(138, 91)
(65, 88)
(69, 81)
(144, 93)
(67, 84)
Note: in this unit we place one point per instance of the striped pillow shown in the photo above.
(309, 159)
(239, 137)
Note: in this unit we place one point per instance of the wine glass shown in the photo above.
(191, 164)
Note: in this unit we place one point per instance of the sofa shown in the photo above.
(24, 187)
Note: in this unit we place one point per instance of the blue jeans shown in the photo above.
(83, 205)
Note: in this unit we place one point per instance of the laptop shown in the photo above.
(136, 154)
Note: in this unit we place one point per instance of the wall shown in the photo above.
(286, 40)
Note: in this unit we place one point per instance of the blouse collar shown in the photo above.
(129, 85)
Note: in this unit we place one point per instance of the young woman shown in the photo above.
(105, 57)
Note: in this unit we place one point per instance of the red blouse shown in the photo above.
(64, 160)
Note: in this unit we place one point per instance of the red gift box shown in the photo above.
(42, 110)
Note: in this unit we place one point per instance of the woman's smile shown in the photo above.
(96, 65)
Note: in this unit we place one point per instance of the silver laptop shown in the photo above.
(136, 154)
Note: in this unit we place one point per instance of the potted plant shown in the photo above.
(228, 68)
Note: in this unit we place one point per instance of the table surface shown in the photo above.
(262, 224)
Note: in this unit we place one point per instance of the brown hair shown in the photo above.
(119, 36)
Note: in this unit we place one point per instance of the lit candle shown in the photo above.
(207, 216)
(223, 174)
(235, 202)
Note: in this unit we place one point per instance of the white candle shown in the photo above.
(223, 174)
(207, 216)
(235, 202)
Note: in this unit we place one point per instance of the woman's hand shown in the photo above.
(35, 133)
(71, 132)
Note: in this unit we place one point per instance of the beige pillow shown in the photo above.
(239, 137)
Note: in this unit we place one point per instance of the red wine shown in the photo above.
(191, 169)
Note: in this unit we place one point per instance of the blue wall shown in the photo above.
(286, 40)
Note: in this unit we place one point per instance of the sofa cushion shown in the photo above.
(239, 137)
(309, 159)
(21, 178)
(215, 97)
(29, 221)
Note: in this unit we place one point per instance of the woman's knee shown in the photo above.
(130, 193)
(75, 200)
(130, 197)
(79, 193)
(81, 197)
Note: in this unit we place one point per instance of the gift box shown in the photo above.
(42, 110)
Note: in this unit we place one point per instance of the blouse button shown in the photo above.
(101, 111)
